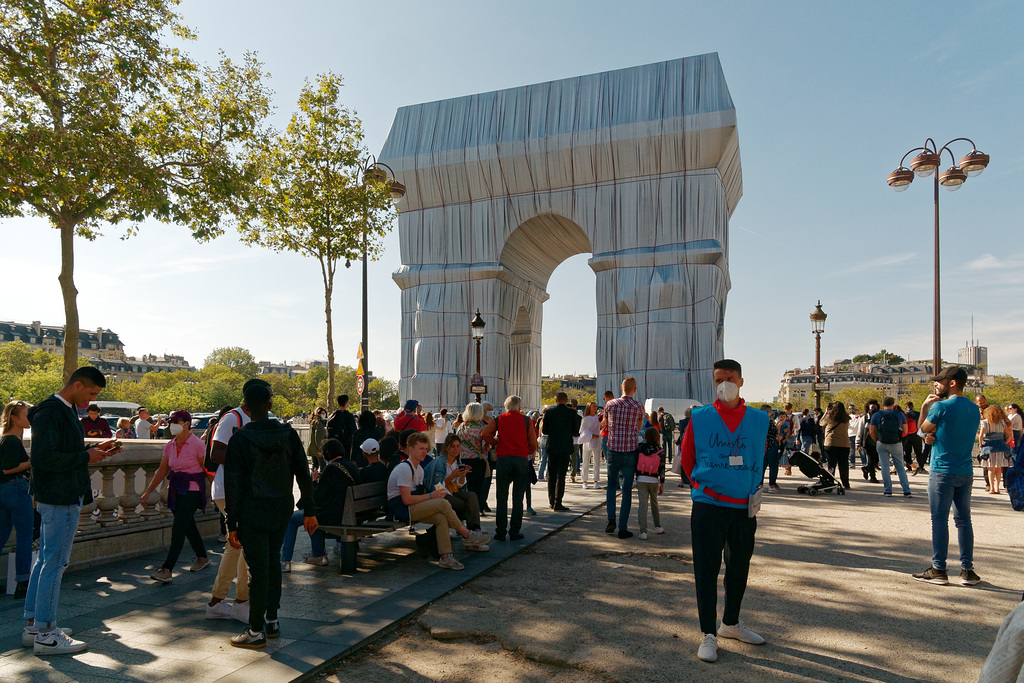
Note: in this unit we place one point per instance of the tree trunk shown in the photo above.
(328, 291)
(70, 294)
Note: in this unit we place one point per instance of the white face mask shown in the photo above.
(727, 391)
(177, 429)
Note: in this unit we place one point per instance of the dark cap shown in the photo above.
(411, 404)
(953, 372)
(180, 416)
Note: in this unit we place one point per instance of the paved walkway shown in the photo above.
(138, 630)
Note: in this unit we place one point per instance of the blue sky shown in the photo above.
(829, 96)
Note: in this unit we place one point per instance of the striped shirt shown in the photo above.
(624, 414)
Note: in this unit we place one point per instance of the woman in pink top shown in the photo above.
(182, 464)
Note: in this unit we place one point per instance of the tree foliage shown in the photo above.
(310, 198)
(882, 356)
(234, 358)
(101, 121)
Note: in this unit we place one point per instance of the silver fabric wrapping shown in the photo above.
(638, 166)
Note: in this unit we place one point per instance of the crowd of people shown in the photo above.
(438, 471)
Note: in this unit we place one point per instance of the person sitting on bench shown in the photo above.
(448, 474)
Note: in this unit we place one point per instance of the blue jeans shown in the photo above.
(805, 443)
(59, 525)
(624, 463)
(16, 513)
(771, 464)
(543, 456)
(944, 490)
(316, 540)
(895, 450)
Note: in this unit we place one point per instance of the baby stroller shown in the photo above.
(811, 468)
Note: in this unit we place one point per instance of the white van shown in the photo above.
(118, 408)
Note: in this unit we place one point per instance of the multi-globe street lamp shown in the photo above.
(927, 162)
(817, 327)
(372, 171)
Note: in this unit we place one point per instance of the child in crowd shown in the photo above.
(650, 479)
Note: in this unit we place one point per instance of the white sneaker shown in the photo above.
(286, 566)
(597, 485)
(708, 650)
(476, 537)
(658, 530)
(586, 485)
(56, 643)
(449, 562)
(222, 610)
(321, 561)
(479, 548)
(741, 633)
(29, 633)
(240, 611)
(643, 535)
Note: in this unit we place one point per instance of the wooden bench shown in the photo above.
(363, 504)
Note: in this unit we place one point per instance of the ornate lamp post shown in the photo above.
(817, 327)
(923, 165)
(477, 328)
(373, 172)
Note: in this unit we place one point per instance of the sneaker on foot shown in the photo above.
(515, 536)
(29, 633)
(248, 639)
(969, 578)
(240, 611)
(162, 575)
(625, 533)
(476, 537)
(531, 511)
(286, 566)
(597, 485)
(222, 610)
(887, 493)
(741, 633)
(56, 643)
(272, 628)
(708, 650)
(586, 485)
(643, 535)
(774, 487)
(610, 527)
(658, 530)
(200, 564)
(907, 494)
(449, 562)
(933, 575)
(483, 548)
(318, 561)
(222, 539)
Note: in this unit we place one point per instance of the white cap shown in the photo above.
(370, 446)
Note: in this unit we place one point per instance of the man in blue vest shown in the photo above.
(722, 453)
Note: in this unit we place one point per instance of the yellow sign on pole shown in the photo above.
(359, 370)
(360, 355)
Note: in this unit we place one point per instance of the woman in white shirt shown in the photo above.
(590, 436)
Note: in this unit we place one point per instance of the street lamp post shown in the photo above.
(923, 165)
(818, 327)
(373, 172)
(477, 328)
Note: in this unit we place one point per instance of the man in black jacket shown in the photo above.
(60, 485)
(342, 425)
(263, 460)
(562, 425)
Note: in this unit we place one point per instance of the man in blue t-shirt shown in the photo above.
(888, 427)
(950, 427)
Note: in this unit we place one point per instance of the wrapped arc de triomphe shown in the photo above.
(639, 167)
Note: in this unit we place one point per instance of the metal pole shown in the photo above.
(817, 370)
(364, 399)
(936, 350)
(478, 364)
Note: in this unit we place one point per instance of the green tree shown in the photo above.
(383, 394)
(548, 391)
(101, 122)
(882, 356)
(309, 383)
(234, 358)
(310, 199)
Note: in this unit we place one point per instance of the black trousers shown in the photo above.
(475, 478)
(716, 532)
(262, 550)
(512, 472)
(185, 527)
(872, 465)
(913, 448)
(839, 458)
(558, 465)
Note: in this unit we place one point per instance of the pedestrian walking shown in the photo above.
(650, 480)
(887, 427)
(994, 437)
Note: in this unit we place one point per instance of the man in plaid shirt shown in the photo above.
(622, 417)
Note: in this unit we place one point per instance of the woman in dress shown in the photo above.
(994, 435)
(15, 502)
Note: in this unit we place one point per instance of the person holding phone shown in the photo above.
(448, 474)
(60, 483)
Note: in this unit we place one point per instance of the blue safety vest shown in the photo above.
(718, 476)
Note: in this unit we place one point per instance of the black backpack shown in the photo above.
(889, 428)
